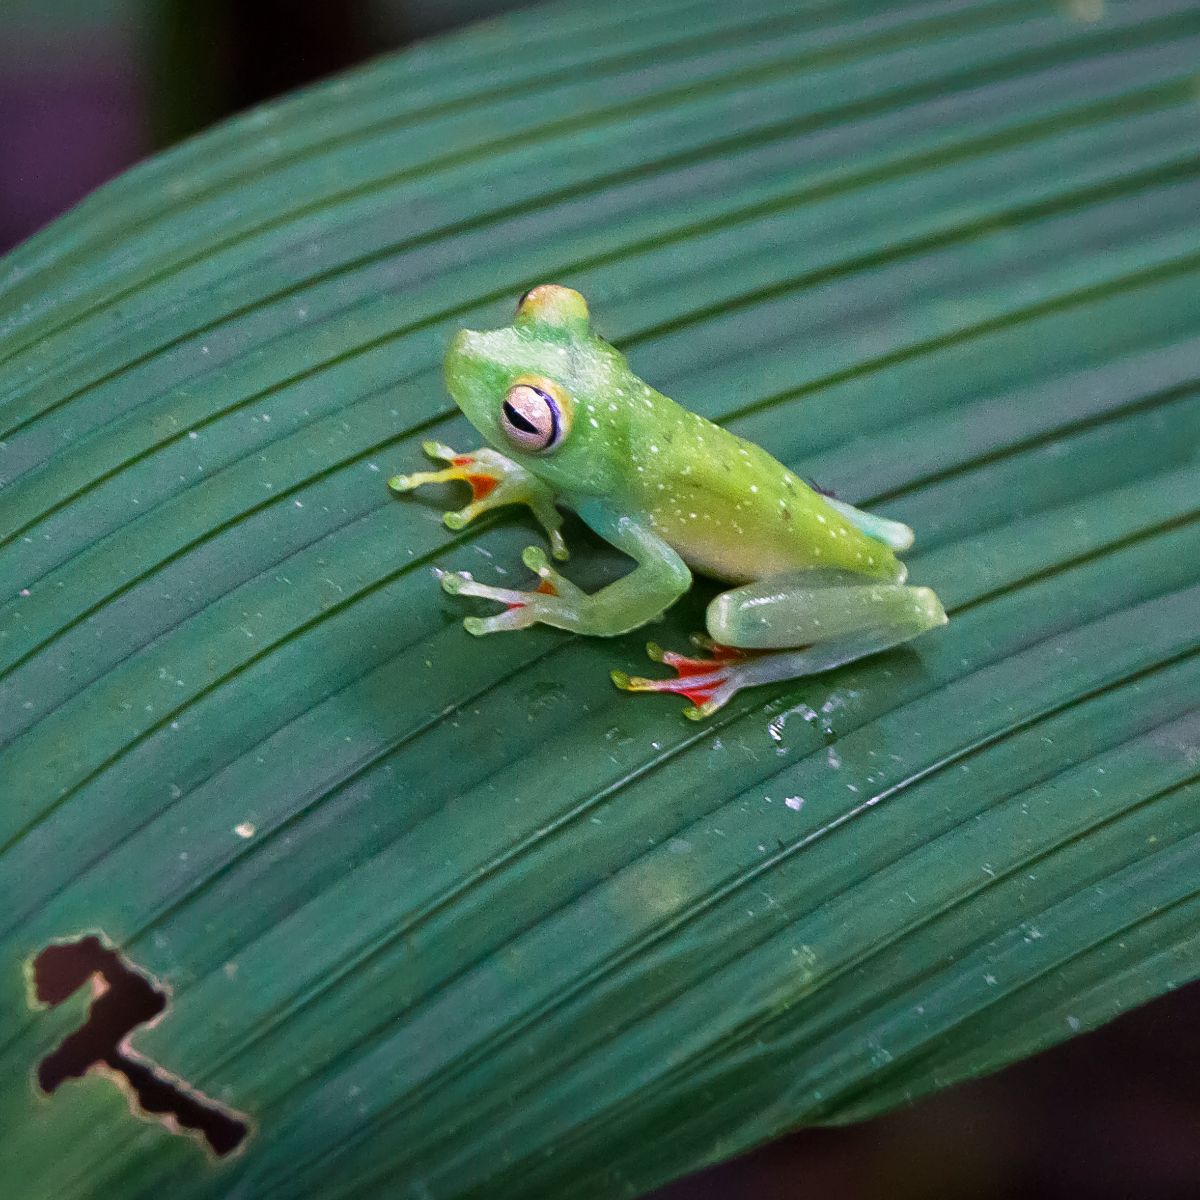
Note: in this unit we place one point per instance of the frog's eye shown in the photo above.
(534, 418)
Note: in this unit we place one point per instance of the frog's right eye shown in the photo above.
(534, 417)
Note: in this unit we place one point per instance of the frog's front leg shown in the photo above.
(494, 481)
(657, 581)
(790, 626)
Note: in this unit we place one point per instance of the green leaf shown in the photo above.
(453, 918)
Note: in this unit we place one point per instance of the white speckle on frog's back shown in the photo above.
(737, 531)
(732, 510)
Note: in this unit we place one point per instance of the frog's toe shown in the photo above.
(452, 581)
(550, 581)
(439, 451)
(515, 617)
(403, 483)
(462, 583)
(686, 665)
(708, 683)
(460, 518)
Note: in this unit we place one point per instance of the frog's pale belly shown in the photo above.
(737, 549)
(731, 562)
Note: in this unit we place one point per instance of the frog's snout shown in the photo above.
(463, 358)
(474, 381)
(464, 345)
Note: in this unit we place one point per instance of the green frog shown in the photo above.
(816, 582)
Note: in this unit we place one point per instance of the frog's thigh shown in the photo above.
(809, 607)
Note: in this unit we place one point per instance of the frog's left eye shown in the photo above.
(534, 416)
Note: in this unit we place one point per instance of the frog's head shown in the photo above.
(546, 391)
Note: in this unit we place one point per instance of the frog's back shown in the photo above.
(734, 512)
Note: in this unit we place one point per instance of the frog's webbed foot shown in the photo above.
(494, 481)
(832, 625)
(553, 595)
(709, 683)
(659, 579)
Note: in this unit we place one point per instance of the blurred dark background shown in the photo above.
(88, 87)
(1112, 1115)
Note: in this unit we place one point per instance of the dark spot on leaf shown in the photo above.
(123, 998)
(822, 491)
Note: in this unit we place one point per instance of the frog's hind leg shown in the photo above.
(891, 533)
(791, 626)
